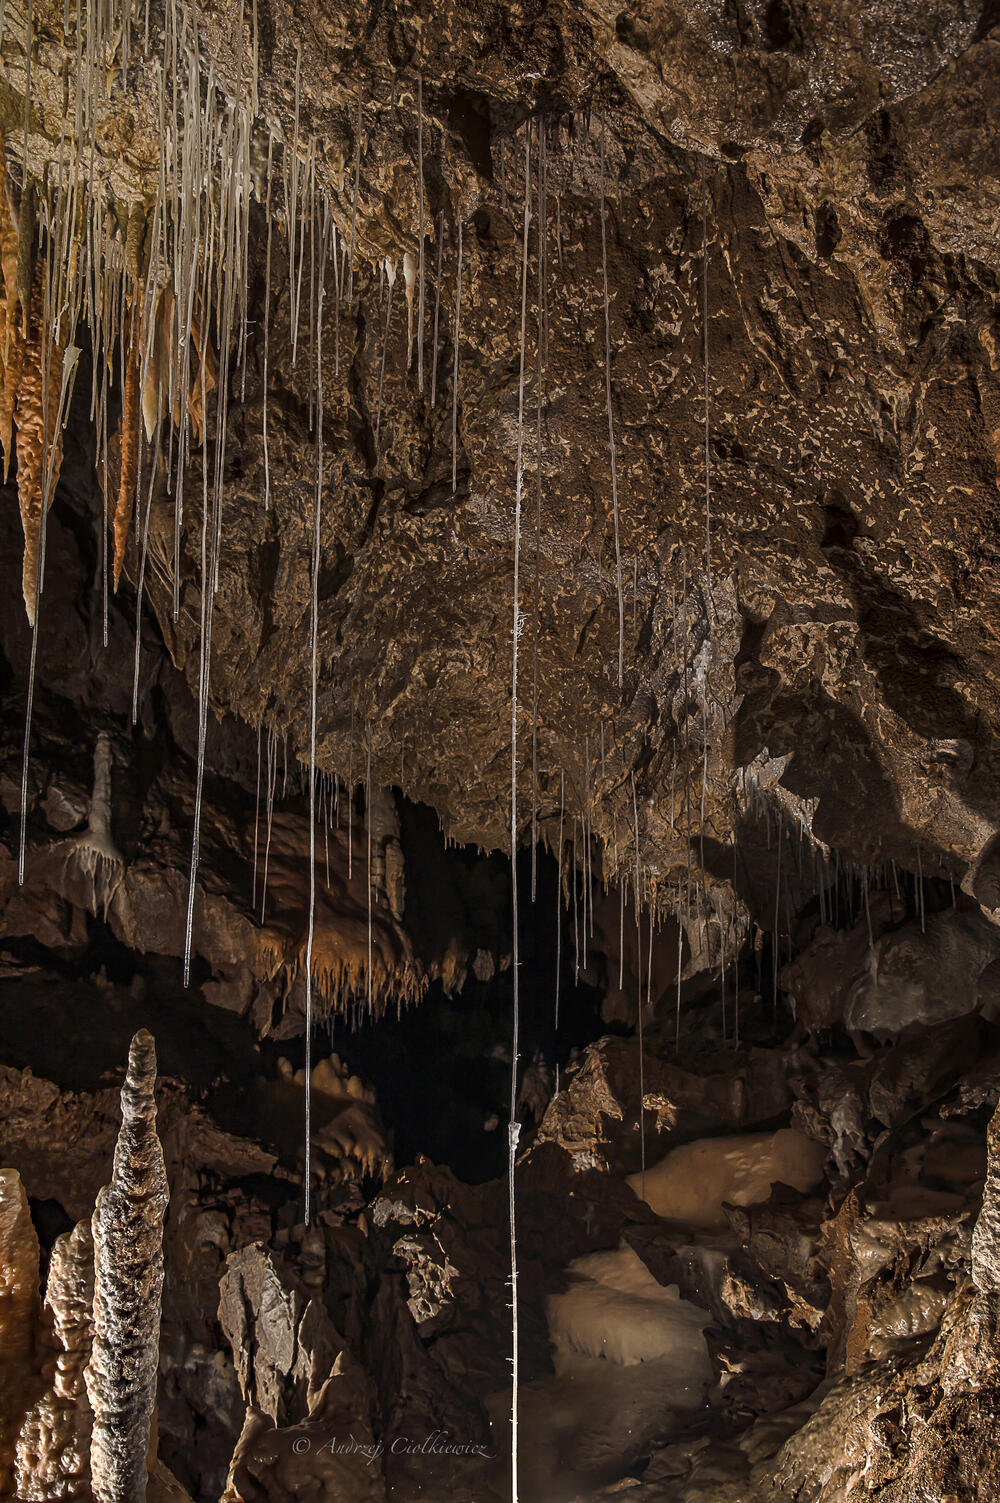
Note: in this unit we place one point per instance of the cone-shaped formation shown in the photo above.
(31, 372)
(128, 1250)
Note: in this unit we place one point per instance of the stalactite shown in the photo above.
(576, 925)
(140, 585)
(621, 914)
(313, 682)
(454, 375)
(292, 205)
(409, 283)
(12, 324)
(437, 305)
(704, 319)
(129, 446)
(230, 256)
(723, 939)
(514, 1126)
(128, 1255)
(420, 232)
(638, 968)
(272, 776)
(559, 882)
(39, 432)
(48, 402)
(920, 891)
(368, 841)
(256, 816)
(390, 271)
(680, 956)
(536, 593)
(611, 428)
(354, 206)
(588, 848)
(350, 798)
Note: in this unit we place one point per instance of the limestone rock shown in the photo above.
(284, 1344)
(986, 1234)
(53, 1453)
(20, 1378)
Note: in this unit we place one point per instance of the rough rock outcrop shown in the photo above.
(19, 1308)
(595, 1116)
(283, 1343)
(880, 980)
(986, 1236)
(53, 1450)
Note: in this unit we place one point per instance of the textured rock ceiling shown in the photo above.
(840, 163)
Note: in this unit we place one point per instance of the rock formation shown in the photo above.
(128, 1279)
(19, 1383)
(474, 451)
(53, 1452)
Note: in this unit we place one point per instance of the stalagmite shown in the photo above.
(95, 849)
(128, 1252)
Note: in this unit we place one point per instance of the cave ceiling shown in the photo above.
(820, 180)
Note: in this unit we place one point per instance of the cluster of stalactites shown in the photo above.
(340, 972)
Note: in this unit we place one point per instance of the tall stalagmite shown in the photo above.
(128, 1251)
